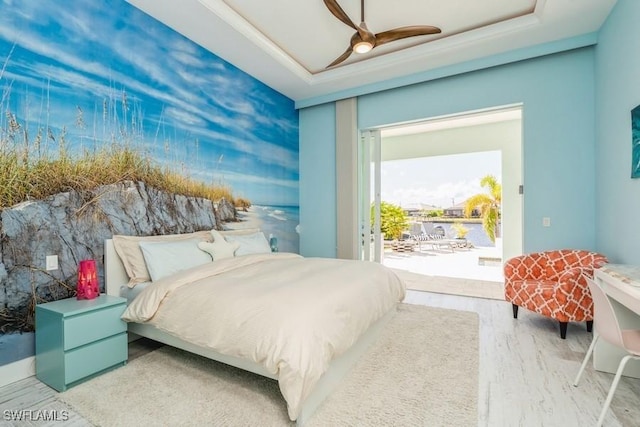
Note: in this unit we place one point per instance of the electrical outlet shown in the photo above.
(52, 262)
(546, 221)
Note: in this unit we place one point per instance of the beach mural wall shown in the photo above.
(99, 101)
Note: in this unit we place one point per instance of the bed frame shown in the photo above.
(116, 276)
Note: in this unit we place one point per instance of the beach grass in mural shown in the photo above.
(102, 74)
(635, 142)
(27, 173)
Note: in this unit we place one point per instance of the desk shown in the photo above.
(622, 284)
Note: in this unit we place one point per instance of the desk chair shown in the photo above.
(607, 327)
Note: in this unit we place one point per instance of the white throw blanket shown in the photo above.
(290, 314)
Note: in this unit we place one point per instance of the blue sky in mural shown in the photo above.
(106, 71)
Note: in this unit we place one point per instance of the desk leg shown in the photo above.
(606, 357)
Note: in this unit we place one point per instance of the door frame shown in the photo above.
(511, 164)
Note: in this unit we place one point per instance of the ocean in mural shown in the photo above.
(80, 75)
(280, 222)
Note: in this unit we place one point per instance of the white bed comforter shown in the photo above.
(290, 314)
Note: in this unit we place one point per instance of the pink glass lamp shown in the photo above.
(88, 286)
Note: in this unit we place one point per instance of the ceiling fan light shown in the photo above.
(362, 47)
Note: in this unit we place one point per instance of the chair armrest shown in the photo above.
(572, 278)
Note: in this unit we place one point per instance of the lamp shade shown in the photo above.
(88, 286)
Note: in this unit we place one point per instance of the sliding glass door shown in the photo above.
(369, 182)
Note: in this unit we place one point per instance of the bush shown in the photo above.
(393, 220)
(460, 229)
(436, 213)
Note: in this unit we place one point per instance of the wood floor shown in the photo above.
(526, 372)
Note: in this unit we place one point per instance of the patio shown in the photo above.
(481, 263)
(472, 272)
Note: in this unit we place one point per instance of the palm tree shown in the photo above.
(488, 205)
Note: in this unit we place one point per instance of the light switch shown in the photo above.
(546, 221)
(52, 262)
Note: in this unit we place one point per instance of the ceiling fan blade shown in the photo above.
(342, 57)
(337, 11)
(404, 32)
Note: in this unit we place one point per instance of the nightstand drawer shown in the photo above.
(93, 358)
(92, 326)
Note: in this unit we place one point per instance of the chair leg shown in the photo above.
(586, 358)
(589, 325)
(563, 329)
(515, 311)
(614, 385)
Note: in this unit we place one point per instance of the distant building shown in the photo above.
(419, 209)
(457, 211)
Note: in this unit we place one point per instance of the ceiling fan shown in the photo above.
(364, 40)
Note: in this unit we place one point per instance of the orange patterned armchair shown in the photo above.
(551, 283)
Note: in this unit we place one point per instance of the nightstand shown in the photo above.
(79, 339)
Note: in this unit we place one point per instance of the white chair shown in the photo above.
(607, 327)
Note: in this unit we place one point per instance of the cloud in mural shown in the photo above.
(89, 56)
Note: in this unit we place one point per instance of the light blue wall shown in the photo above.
(618, 92)
(557, 93)
(318, 178)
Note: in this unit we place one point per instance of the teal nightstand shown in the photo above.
(78, 339)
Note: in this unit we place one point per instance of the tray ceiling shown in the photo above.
(288, 44)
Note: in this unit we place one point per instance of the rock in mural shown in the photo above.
(74, 226)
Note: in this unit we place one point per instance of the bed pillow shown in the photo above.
(254, 243)
(128, 249)
(166, 258)
(219, 248)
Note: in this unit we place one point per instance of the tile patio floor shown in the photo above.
(461, 263)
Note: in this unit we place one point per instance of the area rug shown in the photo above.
(423, 370)
(452, 285)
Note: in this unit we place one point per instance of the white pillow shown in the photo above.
(128, 249)
(254, 243)
(166, 258)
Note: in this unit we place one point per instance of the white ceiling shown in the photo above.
(287, 44)
(455, 121)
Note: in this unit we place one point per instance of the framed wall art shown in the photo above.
(635, 142)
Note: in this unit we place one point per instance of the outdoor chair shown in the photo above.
(552, 283)
(435, 240)
(608, 328)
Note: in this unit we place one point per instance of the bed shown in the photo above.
(301, 321)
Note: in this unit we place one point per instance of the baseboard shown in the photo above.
(17, 371)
